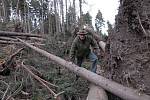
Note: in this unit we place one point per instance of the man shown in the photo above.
(80, 49)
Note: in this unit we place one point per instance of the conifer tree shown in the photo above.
(99, 22)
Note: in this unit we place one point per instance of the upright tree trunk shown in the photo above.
(24, 17)
(29, 30)
(62, 14)
(80, 5)
(4, 9)
(81, 14)
(66, 15)
(1, 10)
(56, 16)
(42, 20)
(74, 12)
(49, 19)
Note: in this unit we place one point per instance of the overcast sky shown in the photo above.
(109, 9)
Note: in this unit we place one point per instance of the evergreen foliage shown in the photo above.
(99, 21)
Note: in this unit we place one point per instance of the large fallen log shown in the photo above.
(7, 39)
(96, 93)
(12, 42)
(29, 38)
(6, 33)
(111, 86)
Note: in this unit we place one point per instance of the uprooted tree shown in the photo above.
(127, 60)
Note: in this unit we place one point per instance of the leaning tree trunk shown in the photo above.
(113, 87)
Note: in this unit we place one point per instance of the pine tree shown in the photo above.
(99, 22)
(87, 19)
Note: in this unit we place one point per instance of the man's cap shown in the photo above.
(82, 32)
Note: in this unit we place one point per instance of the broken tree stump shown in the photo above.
(96, 93)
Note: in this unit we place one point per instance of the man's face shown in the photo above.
(82, 36)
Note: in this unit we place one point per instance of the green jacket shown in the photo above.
(81, 48)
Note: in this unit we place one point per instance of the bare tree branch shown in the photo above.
(38, 79)
(5, 93)
(141, 24)
(15, 92)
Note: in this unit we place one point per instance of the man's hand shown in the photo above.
(97, 52)
(70, 62)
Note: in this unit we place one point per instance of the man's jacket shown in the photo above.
(81, 48)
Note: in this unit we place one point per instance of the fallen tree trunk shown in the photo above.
(96, 93)
(111, 86)
(12, 42)
(5, 33)
(8, 39)
(15, 40)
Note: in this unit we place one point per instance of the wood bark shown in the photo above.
(96, 93)
(102, 45)
(119, 90)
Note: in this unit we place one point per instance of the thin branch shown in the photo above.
(16, 91)
(5, 93)
(41, 78)
(1, 92)
(37, 78)
(58, 94)
(42, 81)
(141, 23)
(35, 70)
